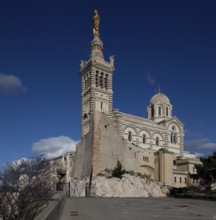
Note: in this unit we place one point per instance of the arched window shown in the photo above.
(167, 111)
(101, 81)
(152, 111)
(157, 141)
(159, 110)
(130, 136)
(101, 105)
(96, 79)
(173, 138)
(106, 82)
(144, 139)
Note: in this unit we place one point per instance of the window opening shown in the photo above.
(96, 79)
(146, 159)
(174, 138)
(157, 141)
(167, 111)
(101, 81)
(106, 82)
(152, 111)
(144, 139)
(130, 136)
(159, 110)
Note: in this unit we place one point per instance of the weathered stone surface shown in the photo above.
(83, 159)
(102, 148)
(128, 186)
(78, 187)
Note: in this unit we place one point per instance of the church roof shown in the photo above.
(160, 98)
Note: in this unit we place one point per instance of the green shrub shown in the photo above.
(130, 172)
(118, 172)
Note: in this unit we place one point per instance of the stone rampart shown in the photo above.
(103, 147)
(83, 161)
(55, 207)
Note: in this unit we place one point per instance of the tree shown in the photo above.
(26, 186)
(206, 172)
(118, 172)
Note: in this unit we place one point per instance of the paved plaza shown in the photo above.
(137, 209)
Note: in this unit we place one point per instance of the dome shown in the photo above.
(160, 98)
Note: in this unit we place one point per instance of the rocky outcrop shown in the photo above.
(127, 186)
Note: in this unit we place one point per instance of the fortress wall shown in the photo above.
(109, 147)
(102, 148)
(83, 161)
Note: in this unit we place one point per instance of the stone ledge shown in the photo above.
(55, 207)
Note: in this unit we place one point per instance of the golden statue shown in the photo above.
(96, 22)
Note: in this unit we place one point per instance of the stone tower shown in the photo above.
(96, 74)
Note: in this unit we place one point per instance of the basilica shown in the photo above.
(153, 146)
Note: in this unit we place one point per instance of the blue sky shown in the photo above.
(171, 43)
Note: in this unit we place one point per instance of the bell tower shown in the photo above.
(96, 75)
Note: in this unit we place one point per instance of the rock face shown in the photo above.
(128, 186)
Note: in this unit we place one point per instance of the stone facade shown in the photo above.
(152, 146)
(63, 166)
(97, 92)
(149, 134)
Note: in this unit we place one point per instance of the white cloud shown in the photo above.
(10, 84)
(150, 79)
(203, 143)
(198, 155)
(54, 146)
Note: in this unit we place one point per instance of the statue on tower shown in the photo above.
(96, 22)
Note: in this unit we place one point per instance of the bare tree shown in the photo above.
(26, 186)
